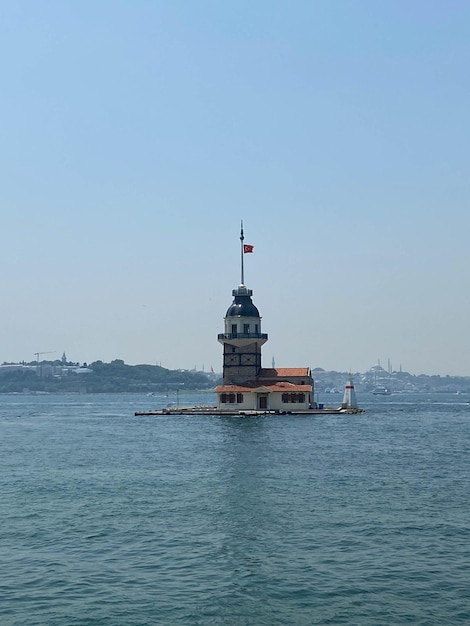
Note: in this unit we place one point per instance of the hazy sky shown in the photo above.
(134, 136)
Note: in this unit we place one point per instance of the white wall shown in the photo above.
(240, 321)
(274, 403)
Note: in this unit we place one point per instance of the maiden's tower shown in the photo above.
(247, 387)
(246, 384)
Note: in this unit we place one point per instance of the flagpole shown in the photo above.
(241, 248)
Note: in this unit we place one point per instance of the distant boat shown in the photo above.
(381, 390)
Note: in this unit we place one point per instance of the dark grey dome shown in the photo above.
(242, 305)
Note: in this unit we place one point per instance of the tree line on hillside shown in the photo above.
(99, 377)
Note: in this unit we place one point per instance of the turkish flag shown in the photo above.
(247, 248)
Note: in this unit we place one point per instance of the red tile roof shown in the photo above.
(281, 387)
(284, 372)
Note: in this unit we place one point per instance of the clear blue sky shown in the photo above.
(134, 136)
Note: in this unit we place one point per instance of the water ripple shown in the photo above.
(109, 520)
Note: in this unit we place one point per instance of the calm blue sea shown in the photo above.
(111, 519)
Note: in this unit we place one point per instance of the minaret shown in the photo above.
(242, 339)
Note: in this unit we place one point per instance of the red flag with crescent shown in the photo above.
(247, 248)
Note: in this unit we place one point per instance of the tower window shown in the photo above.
(256, 328)
(234, 329)
(246, 329)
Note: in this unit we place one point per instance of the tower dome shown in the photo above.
(242, 305)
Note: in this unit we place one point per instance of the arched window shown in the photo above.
(239, 398)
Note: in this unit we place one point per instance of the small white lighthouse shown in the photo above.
(349, 398)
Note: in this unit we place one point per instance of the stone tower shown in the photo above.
(242, 339)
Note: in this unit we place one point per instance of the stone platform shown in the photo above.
(212, 410)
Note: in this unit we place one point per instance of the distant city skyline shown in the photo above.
(135, 136)
(210, 369)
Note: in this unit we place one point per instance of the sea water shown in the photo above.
(112, 519)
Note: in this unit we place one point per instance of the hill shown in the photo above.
(98, 377)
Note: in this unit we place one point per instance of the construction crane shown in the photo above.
(38, 354)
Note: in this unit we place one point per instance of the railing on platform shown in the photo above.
(228, 336)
